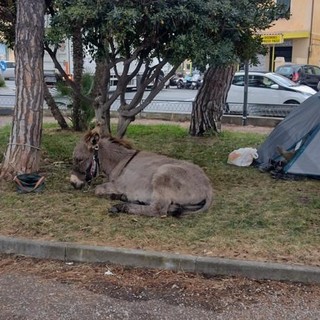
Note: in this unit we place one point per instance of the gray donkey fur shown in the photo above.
(148, 184)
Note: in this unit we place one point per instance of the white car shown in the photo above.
(8, 74)
(266, 92)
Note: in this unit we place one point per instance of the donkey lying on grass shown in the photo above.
(149, 184)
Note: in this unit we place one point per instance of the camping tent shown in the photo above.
(298, 134)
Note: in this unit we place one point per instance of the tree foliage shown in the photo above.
(7, 22)
(130, 38)
(227, 36)
(228, 31)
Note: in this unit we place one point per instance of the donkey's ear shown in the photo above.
(92, 138)
(95, 139)
(96, 134)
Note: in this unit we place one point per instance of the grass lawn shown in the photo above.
(253, 216)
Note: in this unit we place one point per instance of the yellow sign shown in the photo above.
(272, 38)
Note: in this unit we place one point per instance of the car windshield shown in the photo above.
(281, 80)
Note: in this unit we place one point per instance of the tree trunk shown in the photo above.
(54, 108)
(128, 111)
(100, 93)
(23, 151)
(207, 109)
(77, 120)
(123, 124)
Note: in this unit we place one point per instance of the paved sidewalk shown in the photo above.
(150, 259)
(8, 89)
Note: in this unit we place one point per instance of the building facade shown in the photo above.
(296, 40)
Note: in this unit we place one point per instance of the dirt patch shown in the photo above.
(133, 284)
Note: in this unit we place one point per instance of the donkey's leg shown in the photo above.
(109, 190)
(155, 209)
(163, 187)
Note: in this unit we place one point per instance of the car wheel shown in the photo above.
(179, 84)
(292, 102)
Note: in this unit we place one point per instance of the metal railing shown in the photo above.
(164, 106)
(261, 110)
(178, 107)
(7, 100)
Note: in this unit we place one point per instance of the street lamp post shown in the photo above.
(245, 96)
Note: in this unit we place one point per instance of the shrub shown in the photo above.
(2, 82)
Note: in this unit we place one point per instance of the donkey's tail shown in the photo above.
(176, 210)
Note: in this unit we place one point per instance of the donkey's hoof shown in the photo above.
(121, 197)
(112, 212)
(120, 207)
(99, 191)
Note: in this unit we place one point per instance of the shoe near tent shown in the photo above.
(299, 135)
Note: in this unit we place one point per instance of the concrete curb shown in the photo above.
(158, 260)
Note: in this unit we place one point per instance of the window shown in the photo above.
(268, 82)
(238, 80)
(286, 71)
(286, 3)
(256, 81)
(308, 70)
(317, 70)
(253, 81)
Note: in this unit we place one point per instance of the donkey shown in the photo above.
(147, 183)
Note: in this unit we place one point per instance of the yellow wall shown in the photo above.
(11, 55)
(303, 29)
(300, 51)
(300, 18)
(315, 38)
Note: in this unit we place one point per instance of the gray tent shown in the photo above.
(299, 134)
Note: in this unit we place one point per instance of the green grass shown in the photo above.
(253, 216)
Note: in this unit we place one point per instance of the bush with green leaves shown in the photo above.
(87, 112)
(2, 82)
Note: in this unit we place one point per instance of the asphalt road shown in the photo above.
(7, 95)
(30, 297)
(33, 289)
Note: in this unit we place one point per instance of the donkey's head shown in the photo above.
(85, 160)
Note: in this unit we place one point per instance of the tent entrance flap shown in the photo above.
(307, 158)
(299, 134)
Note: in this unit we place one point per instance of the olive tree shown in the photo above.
(138, 38)
(130, 40)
